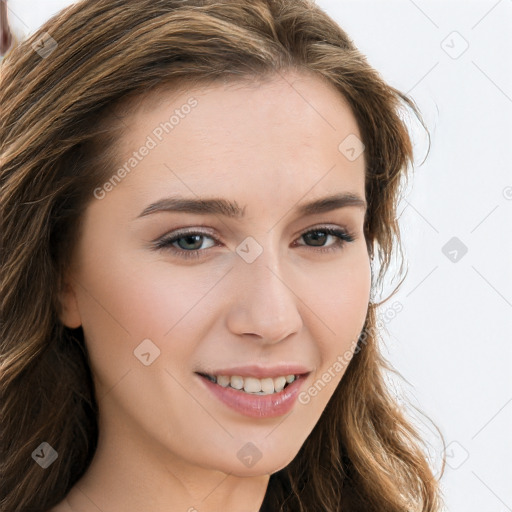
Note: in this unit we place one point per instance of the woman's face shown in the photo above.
(166, 290)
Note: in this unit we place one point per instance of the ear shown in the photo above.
(69, 312)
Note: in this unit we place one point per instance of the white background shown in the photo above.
(452, 339)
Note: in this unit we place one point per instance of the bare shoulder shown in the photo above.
(74, 502)
(63, 506)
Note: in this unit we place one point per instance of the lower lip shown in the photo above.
(257, 406)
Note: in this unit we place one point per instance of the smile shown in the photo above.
(265, 386)
(252, 397)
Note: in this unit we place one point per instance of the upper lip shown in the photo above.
(262, 372)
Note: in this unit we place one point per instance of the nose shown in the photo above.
(263, 304)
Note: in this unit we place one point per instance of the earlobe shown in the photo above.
(69, 313)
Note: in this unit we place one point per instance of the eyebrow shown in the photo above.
(231, 209)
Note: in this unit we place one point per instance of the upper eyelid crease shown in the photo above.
(219, 206)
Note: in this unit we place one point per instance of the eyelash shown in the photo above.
(344, 237)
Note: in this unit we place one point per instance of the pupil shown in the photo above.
(315, 238)
(192, 239)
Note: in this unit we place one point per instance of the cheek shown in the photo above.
(340, 299)
(141, 295)
(339, 306)
(124, 301)
(348, 304)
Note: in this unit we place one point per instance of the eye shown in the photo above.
(319, 236)
(186, 244)
(189, 244)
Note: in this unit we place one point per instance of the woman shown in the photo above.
(194, 194)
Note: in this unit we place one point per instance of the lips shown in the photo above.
(257, 391)
(256, 405)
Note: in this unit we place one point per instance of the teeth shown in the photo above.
(279, 383)
(223, 380)
(265, 386)
(237, 382)
(251, 385)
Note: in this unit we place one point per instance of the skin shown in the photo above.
(166, 443)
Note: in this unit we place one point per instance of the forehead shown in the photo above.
(297, 101)
(267, 132)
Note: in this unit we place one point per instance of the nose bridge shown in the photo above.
(264, 304)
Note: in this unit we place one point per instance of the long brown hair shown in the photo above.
(57, 145)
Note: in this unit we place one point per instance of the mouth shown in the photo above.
(256, 397)
(253, 385)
